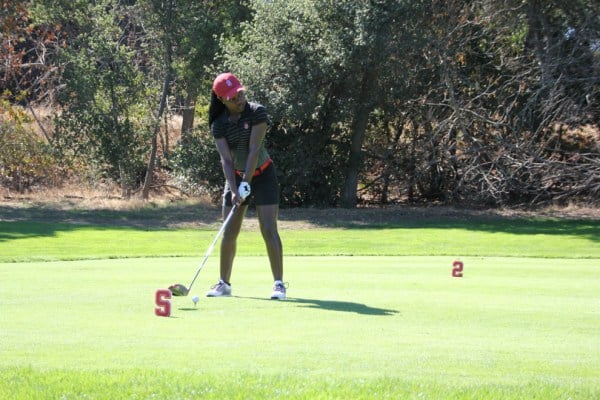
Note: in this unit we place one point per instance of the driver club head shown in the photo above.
(178, 289)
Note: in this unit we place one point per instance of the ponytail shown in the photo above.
(215, 108)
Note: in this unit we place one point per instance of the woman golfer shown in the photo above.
(239, 128)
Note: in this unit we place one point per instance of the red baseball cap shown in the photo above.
(227, 86)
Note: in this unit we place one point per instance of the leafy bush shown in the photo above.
(196, 164)
(25, 160)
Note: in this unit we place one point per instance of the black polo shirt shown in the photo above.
(238, 133)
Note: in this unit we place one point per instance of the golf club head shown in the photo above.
(178, 289)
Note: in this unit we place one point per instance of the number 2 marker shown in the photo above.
(457, 271)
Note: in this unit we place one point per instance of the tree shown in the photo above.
(322, 66)
(26, 76)
(26, 159)
(116, 57)
(490, 102)
(196, 29)
(484, 128)
(166, 26)
(106, 94)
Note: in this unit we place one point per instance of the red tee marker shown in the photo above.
(457, 270)
(163, 305)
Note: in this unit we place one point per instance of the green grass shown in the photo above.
(373, 312)
(353, 327)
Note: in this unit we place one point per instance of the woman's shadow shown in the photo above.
(335, 305)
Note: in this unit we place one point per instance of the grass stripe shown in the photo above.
(29, 383)
(29, 241)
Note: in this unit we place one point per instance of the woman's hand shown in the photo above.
(244, 190)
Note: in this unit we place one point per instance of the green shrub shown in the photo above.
(26, 159)
(195, 164)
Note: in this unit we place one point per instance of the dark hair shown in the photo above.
(215, 108)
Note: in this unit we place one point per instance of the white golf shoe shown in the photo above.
(279, 291)
(220, 289)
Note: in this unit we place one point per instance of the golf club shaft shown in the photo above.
(212, 245)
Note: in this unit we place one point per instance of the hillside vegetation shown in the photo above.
(486, 104)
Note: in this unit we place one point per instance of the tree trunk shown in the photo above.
(163, 101)
(189, 108)
(539, 39)
(359, 128)
(154, 144)
(125, 187)
(348, 198)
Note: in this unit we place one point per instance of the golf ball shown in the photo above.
(195, 299)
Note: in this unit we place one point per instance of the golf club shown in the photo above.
(180, 290)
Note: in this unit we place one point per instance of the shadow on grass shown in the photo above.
(343, 306)
(147, 216)
(449, 218)
(333, 305)
(47, 220)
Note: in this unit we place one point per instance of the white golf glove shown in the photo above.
(244, 190)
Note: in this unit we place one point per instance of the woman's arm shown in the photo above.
(228, 167)
(257, 136)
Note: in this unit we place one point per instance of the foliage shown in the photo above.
(197, 25)
(448, 100)
(25, 48)
(320, 66)
(25, 160)
(487, 103)
(489, 136)
(105, 98)
(196, 163)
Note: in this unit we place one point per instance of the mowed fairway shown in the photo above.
(352, 327)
